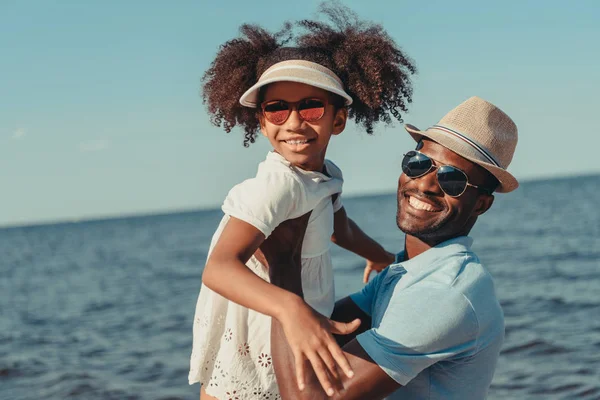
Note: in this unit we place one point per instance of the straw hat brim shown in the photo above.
(508, 183)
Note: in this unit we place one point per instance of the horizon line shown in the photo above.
(173, 211)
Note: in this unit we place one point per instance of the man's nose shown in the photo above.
(428, 182)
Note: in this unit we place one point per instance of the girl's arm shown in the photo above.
(348, 235)
(226, 273)
(308, 333)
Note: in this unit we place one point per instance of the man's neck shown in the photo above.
(413, 246)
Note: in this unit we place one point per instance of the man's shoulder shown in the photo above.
(477, 286)
(470, 276)
(460, 278)
(455, 270)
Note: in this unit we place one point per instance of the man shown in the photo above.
(431, 327)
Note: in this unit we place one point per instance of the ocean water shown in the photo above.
(104, 309)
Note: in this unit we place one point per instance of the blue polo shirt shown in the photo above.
(437, 326)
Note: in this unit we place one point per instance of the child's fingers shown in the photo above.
(329, 363)
(299, 361)
(321, 373)
(340, 359)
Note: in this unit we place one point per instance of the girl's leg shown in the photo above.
(204, 396)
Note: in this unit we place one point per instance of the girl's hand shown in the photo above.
(309, 335)
(377, 266)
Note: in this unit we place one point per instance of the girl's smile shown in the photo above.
(302, 143)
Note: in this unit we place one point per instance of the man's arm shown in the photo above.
(347, 311)
(369, 381)
(429, 324)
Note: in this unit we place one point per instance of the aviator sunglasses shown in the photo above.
(451, 180)
(278, 111)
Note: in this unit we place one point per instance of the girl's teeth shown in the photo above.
(296, 141)
(420, 205)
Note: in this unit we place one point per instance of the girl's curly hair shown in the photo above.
(373, 69)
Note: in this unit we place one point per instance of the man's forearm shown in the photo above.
(370, 381)
(283, 360)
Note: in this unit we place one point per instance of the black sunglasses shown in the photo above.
(452, 180)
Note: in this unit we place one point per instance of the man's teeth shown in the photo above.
(420, 205)
(296, 141)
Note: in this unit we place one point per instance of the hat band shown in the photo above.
(469, 141)
(330, 76)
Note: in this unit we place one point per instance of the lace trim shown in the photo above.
(222, 381)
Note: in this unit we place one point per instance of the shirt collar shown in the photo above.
(273, 156)
(455, 245)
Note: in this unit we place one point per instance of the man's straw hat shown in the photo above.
(480, 132)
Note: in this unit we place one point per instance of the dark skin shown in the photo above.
(453, 216)
(434, 218)
(308, 333)
(311, 332)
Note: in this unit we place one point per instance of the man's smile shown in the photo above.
(421, 204)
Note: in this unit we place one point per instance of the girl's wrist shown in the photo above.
(287, 306)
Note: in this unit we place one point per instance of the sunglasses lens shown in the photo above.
(452, 181)
(415, 164)
(311, 110)
(277, 112)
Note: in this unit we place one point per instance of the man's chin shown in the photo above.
(418, 233)
(417, 228)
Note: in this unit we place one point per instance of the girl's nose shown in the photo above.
(294, 122)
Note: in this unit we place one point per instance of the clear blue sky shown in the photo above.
(100, 112)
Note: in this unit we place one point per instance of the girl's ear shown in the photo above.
(339, 121)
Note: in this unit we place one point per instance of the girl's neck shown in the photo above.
(313, 166)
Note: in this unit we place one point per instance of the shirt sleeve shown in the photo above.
(264, 201)
(335, 172)
(364, 298)
(421, 326)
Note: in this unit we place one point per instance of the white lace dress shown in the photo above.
(231, 355)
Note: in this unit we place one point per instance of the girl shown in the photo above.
(298, 97)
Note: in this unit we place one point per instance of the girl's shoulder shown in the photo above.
(274, 195)
(275, 182)
(273, 185)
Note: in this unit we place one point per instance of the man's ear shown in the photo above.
(261, 122)
(484, 202)
(339, 121)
